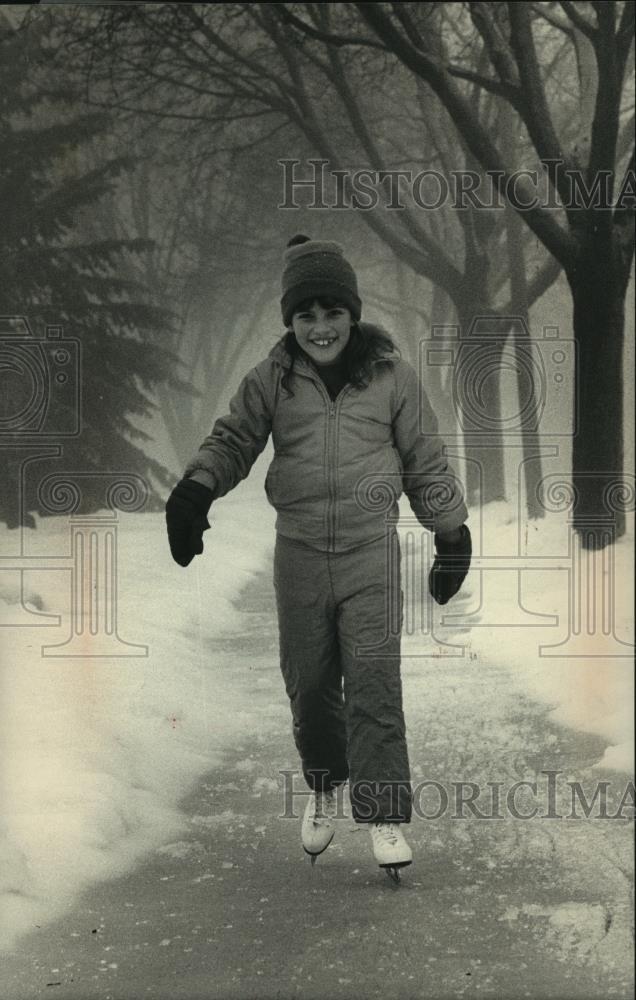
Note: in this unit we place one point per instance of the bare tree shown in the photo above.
(595, 242)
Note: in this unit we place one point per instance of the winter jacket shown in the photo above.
(339, 466)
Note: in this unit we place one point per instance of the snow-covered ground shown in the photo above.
(97, 753)
(565, 633)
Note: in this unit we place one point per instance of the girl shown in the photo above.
(345, 412)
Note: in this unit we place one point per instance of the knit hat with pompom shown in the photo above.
(316, 268)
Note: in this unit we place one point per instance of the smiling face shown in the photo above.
(322, 330)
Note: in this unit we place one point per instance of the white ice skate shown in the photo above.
(390, 848)
(317, 827)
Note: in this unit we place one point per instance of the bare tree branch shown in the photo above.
(438, 269)
(625, 33)
(578, 20)
(483, 17)
(557, 22)
(606, 123)
(497, 87)
(560, 243)
(258, 69)
(534, 109)
(376, 161)
(311, 31)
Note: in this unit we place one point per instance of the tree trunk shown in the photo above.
(522, 347)
(477, 364)
(601, 494)
(440, 394)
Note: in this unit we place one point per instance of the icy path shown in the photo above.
(229, 907)
(96, 752)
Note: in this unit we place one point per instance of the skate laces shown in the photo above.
(324, 808)
(386, 832)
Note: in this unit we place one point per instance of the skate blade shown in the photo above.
(315, 854)
(393, 871)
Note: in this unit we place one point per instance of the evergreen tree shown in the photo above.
(54, 272)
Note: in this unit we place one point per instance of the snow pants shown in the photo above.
(340, 619)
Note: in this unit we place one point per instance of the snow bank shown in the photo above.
(97, 752)
(592, 691)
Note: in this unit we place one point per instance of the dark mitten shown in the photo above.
(451, 565)
(186, 519)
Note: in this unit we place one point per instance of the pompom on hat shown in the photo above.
(316, 268)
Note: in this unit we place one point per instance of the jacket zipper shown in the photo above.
(331, 518)
(333, 409)
(333, 406)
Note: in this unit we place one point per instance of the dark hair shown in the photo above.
(366, 343)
